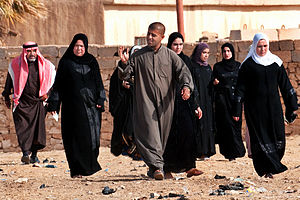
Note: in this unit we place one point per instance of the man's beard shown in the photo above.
(31, 59)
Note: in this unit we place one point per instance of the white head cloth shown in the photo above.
(265, 60)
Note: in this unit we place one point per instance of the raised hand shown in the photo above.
(124, 56)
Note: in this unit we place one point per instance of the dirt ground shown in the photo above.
(128, 178)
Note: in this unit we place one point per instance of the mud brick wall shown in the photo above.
(287, 50)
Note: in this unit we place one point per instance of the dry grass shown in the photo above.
(12, 11)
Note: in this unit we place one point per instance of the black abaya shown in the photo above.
(258, 87)
(228, 131)
(179, 154)
(78, 87)
(205, 136)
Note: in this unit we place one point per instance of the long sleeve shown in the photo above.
(239, 92)
(126, 70)
(101, 97)
(54, 99)
(183, 74)
(8, 87)
(288, 93)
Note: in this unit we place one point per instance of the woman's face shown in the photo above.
(262, 47)
(79, 48)
(227, 54)
(177, 45)
(204, 55)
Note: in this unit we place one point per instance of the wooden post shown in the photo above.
(180, 23)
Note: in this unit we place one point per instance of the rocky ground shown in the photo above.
(128, 179)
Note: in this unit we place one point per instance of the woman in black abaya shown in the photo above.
(203, 79)
(261, 75)
(228, 131)
(179, 155)
(79, 89)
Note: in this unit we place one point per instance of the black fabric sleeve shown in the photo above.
(288, 93)
(7, 88)
(101, 97)
(239, 92)
(54, 99)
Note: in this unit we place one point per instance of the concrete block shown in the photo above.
(93, 49)
(3, 130)
(6, 144)
(243, 46)
(296, 56)
(56, 136)
(4, 64)
(55, 130)
(297, 44)
(58, 147)
(292, 67)
(13, 52)
(3, 52)
(286, 45)
(188, 48)
(107, 51)
(107, 63)
(213, 47)
(55, 141)
(289, 34)
(212, 59)
(241, 56)
(49, 51)
(274, 46)
(285, 56)
(62, 50)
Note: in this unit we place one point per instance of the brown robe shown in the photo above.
(29, 115)
(155, 77)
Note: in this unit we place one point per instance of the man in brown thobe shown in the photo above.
(30, 77)
(156, 70)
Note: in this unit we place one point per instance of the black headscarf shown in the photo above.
(229, 64)
(86, 58)
(173, 37)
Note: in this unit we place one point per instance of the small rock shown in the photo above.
(219, 177)
(50, 166)
(108, 190)
(21, 180)
(153, 195)
(36, 165)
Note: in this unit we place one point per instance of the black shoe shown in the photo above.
(25, 159)
(34, 159)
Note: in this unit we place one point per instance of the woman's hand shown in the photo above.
(216, 81)
(236, 118)
(124, 56)
(198, 113)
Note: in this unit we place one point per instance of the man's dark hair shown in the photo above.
(157, 26)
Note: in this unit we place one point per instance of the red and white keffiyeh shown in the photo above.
(18, 70)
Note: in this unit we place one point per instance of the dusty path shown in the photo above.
(19, 181)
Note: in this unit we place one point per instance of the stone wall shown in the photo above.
(287, 50)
